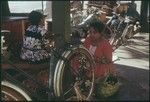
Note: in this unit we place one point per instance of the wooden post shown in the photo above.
(143, 16)
(61, 29)
(5, 9)
(61, 21)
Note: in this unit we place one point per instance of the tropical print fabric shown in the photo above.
(33, 42)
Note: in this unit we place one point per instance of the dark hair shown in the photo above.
(98, 26)
(35, 17)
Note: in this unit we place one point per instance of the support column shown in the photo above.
(143, 18)
(61, 29)
(61, 21)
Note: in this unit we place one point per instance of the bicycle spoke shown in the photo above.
(68, 90)
(76, 66)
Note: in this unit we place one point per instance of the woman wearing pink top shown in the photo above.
(100, 47)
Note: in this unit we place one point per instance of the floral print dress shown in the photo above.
(32, 44)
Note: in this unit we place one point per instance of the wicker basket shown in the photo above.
(107, 86)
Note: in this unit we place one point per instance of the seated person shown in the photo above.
(33, 40)
(100, 48)
(132, 11)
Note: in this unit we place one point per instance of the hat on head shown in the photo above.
(123, 2)
(35, 17)
(101, 12)
(42, 12)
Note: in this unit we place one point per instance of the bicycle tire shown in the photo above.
(11, 92)
(61, 68)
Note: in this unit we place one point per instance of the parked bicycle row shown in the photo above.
(121, 24)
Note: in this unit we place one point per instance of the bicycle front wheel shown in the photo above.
(74, 75)
(11, 92)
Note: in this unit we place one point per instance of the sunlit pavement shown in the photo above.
(133, 69)
(135, 53)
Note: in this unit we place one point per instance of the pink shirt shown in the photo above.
(103, 49)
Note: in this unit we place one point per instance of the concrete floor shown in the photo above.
(133, 69)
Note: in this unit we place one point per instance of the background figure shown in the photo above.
(100, 48)
(33, 41)
(132, 12)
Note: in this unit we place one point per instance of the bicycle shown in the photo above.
(79, 86)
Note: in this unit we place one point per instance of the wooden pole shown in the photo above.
(143, 16)
(61, 21)
(61, 30)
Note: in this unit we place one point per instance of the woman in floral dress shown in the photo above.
(33, 40)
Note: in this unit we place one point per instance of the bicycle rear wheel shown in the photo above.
(11, 92)
(74, 75)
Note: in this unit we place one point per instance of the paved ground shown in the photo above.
(133, 68)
